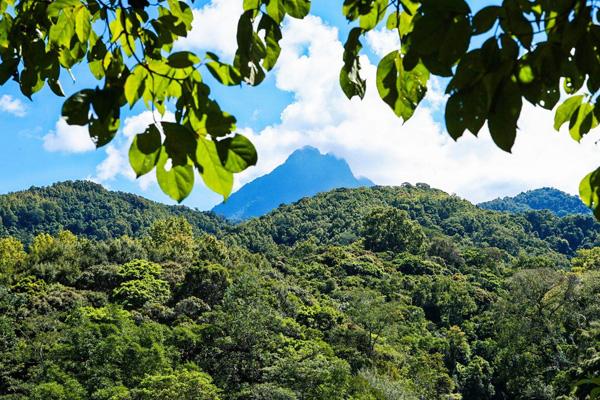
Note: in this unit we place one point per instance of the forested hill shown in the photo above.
(554, 200)
(336, 217)
(86, 208)
(382, 293)
(306, 172)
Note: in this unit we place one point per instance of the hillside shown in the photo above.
(336, 217)
(305, 173)
(88, 209)
(382, 293)
(554, 200)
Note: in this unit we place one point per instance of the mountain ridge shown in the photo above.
(546, 198)
(89, 209)
(305, 173)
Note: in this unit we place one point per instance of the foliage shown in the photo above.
(554, 200)
(391, 229)
(87, 209)
(494, 58)
(311, 318)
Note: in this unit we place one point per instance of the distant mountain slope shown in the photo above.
(306, 172)
(554, 200)
(88, 209)
(336, 217)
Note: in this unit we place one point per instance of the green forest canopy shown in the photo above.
(540, 51)
(418, 295)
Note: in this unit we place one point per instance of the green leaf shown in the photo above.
(56, 87)
(466, 110)
(589, 191)
(565, 111)
(177, 181)
(210, 119)
(251, 4)
(401, 90)
(503, 117)
(76, 109)
(350, 80)
(103, 130)
(582, 121)
(56, 6)
(526, 74)
(237, 153)
(272, 38)
(62, 32)
(183, 59)
(485, 19)
(7, 69)
(145, 150)
(297, 8)
(410, 6)
(134, 85)
(276, 10)
(214, 175)
(224, 73)
(83, 25)
(180, 142)
(370, 20)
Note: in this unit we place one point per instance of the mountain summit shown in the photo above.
(306, 172)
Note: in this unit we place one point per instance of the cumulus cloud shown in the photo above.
(68, 138)
(379, 146)
(214, 28)
(116, 163)
(366, 133)
(382, 41)
(9, 104)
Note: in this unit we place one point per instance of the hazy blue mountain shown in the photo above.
(554, 200)
(306, 172)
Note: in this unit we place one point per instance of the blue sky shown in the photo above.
(299, 104)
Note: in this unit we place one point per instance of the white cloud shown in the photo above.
(68, 138)
(379, 146)
(214, 28)
(382, 41)
(12, 106)
(116, 163)
(366, 133)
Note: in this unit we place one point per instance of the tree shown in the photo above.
(141, 284)
(184, 384)
(171, 239)
(391, 229)
(371, 311)
(12, 255)
(525, 50)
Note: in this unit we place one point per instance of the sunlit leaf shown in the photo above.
(176, 181)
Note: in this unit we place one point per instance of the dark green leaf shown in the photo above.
(224, 73)
(183, 59)
(401, 90)
(144, 150)
(503, 117)
(76, 109)
(485, 19)
(236, 153)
